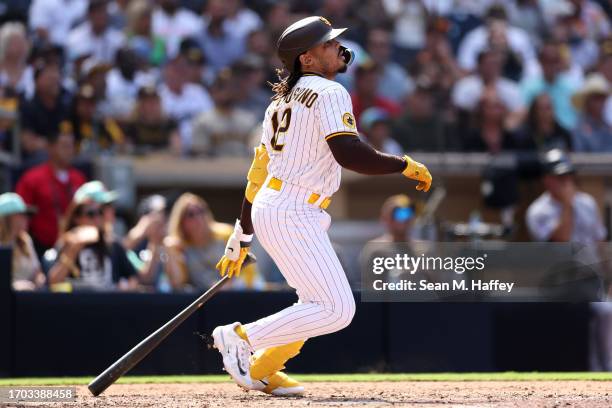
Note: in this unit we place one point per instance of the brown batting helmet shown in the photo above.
(304, 34)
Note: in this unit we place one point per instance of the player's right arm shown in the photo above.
(335, 111)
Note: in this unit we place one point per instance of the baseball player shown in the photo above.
(309, 133)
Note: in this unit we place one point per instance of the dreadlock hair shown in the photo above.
(285, 84)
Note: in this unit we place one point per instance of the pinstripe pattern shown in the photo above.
(294, 233)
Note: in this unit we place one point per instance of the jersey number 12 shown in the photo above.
(280, 129)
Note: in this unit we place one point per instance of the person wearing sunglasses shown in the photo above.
(86, 255)
(26, 270)
(195, 243)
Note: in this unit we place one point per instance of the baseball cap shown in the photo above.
(400, 207)
(12, 203)
(371, 116)
(95, 191)
(557, 162)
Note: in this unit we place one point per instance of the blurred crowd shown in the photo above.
(80, 79)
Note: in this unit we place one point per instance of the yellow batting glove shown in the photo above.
(417, 171)
(236, 251)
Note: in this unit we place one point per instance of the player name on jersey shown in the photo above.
(305, 96)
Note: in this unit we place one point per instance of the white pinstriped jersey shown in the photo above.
(296, 129)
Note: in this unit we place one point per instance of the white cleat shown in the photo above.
(236, 354)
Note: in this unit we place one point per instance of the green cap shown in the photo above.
(94, 191)
(12, 203)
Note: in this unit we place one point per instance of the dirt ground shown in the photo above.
(370, 394)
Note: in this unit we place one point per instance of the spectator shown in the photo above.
(26, 271)
(173, 23)
(421, 127)
(542, 130)
(365, 95)
(95, 37)
(240, 19)
(605, 68)
(149, 46)
(554, 83)
(497, 34)
(41, 115)
(195, 63)
(252, 94)
(123, 82)
(410, 19)
(468, 91)
(225, 129)
(92, 132)
(14, 49)
(592, 134)
(394, 82)
(527, 15)
(52, 20)
(182, 100)
(222, 47)
(148, 127)
(488, 133)
(97, 192)
(195, 243)
(583, 49)
(50, 187)
(94, 73)
(88, 258)
(375, 126)
(590, 18)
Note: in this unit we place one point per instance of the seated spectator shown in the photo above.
(409, 26)
(421, 127)
(195, 62)
(468, 91)
(542, 130)
(592, 134)
(195, 244)
(497, 34)
(182, 100)
(488, 133)
(365, 94)
(93, 133)
(224, 130)
(123, 82)
(87, 257)
(394, 83)
(95, 37)
(41, 115)
(52, 20)
(553, 82)
(252, 93)
(222, 47)
(149, 46)
(26, 271)
(97, 192)
(241, 20)
(148, 128)
(50, 187)
(14, 50)
(172, 23)
(567, 29)
(375, 126)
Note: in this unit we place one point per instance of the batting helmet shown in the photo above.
(304, 34)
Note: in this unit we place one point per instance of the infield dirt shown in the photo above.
(592, 394)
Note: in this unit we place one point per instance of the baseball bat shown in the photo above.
(142, 349)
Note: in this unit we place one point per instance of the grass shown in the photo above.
(373, 377)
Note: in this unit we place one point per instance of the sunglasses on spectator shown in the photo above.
(91, 212)
(194, 212)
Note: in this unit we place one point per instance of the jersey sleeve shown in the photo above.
(335, 112)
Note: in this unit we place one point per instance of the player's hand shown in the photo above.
(417, 171)
(236, 252)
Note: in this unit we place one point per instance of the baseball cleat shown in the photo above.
(281, 384)
(236, 354)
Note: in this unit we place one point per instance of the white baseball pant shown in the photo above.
(294, 233)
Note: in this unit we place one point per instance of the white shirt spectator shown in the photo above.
(121, 93)
(224, 134)
(544, 213)
(173, 28)
(57, 17)
(467, 93)
(83, 41)
(183, 107)
(477, 41)
(243, 23)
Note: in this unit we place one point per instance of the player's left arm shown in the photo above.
(335, 111)
(239, 242)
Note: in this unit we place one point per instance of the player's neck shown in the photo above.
(329, 76)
